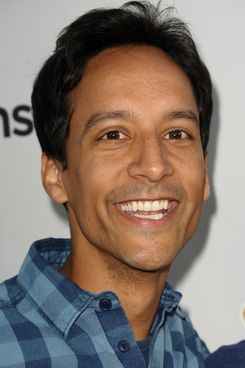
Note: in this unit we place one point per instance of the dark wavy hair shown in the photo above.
(134, 23)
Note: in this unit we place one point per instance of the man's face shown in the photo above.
(136, 175)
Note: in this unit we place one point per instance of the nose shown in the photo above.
(151, 160)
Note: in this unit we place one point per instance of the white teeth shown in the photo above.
(155, 206)
(135, 207)
(166, 204)
(154, 216)
(140, 206)
(146, 206)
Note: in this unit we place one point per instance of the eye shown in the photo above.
(114, 134)
(177, 134)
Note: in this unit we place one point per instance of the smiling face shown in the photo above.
(136, 175)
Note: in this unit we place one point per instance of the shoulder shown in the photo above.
(184, 335)
(11, 324)
(10, 295)
(9, 292)
(179, 326)
(11, 321)
(230, 356)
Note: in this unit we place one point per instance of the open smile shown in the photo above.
(148, 209)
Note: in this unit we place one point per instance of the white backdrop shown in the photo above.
(210, 271)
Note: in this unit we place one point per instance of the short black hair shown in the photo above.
(134, 23)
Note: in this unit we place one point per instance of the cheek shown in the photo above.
(192, 173)
(103, 171)
(96, 177)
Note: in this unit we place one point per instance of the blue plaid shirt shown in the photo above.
(48, 321)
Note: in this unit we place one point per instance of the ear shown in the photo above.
(52, 179)
(206, 183)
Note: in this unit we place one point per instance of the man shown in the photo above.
(230, 356)
(122, 111)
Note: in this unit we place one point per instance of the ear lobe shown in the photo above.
(51, 179)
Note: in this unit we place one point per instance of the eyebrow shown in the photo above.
(100, 117)
(106, 115)
(181, 114)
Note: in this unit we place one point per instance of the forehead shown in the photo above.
(130, 74)
(143, 57)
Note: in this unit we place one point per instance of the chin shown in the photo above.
(149, 266)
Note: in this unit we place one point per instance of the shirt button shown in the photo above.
(123, 346)
(105, 304)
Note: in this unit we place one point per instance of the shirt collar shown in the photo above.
(170, 298)
(59, 299)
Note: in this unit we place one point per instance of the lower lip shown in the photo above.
(150, 222)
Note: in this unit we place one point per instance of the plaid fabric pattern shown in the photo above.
(48, 321)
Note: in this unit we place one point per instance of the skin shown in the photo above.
(134, 135)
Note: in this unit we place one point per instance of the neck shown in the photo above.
(139, 292)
